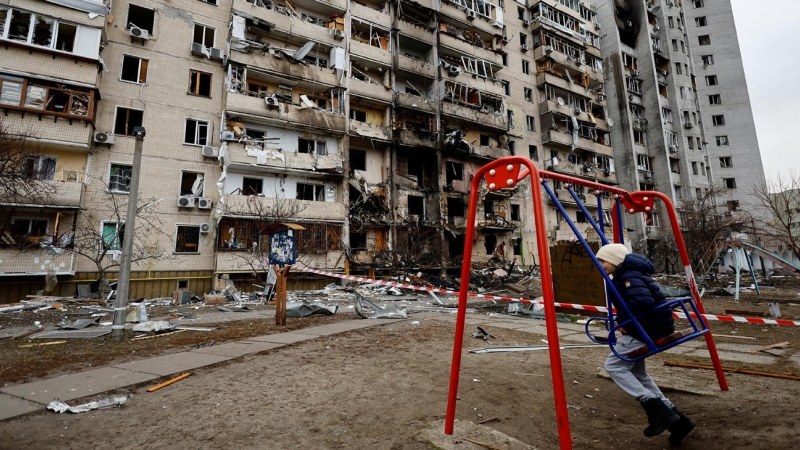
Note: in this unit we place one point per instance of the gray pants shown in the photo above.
(632, 377)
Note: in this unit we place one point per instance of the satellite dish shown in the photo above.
(561, 101)
(610, 122)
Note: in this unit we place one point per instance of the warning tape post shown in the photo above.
(738, 319)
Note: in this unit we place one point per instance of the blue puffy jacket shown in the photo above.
(641, 294)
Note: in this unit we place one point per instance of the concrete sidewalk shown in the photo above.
(25, 398)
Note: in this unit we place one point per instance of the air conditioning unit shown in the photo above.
(210, 152)
(656, 27)
(526, 22)
(597, 25)
(454, 70)
(506, 39)
(524, 47)
(204, 203)
(137, 32)
(578, 111)
(101, 137)
(271, 102)
(338, 35)
(673, 149)
(227, 136)
(648, 175)
(600, 97)
(198, 49)
(186, 201)
(635, 73)
(217, 54)
(688, 125)
(205, 227)
(470, 15)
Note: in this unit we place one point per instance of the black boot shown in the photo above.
(659, 416)
(680, 429)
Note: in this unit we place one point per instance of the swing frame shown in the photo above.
(507, 172)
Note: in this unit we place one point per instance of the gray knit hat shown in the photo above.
(613, 253)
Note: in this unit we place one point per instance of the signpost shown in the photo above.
(282, 254)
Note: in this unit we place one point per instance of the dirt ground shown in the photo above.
(377, 388)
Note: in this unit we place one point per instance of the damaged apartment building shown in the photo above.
(363, 122)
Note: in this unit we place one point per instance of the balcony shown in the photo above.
(306, 209)
(370, 15)
(411, 138)
(14, 262)
(62, 66)
(481, 23)
(467, 49)
(371, 90)
(564, 139)
(497, 121)
(489, 152)
(417, 103)
(286, 114)
(368, 131)
(52, 133)
(423, 3)
(269, 63)
(416, 66)
(415, 31)
(286, 25)
(58, 194)
(370, 52)
(277, 160)
(579, 87)
(551, 106)
(541, 54)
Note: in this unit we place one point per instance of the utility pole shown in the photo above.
(124, 283)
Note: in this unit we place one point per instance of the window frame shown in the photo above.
(117, 109)
(197, 137)
(722, 140)
(178, 226)
(111, 165)
(718, 120)
(196, 76)
(316, 146)
(315, 193)
(205, 30)
(119, 235)
(139, 72)
(704, 38)
(715, 99)
(712, 80)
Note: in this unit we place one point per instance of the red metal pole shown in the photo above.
(556, 369)
(687, 266)
(466, 263)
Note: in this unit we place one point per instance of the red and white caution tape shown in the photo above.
(603, 309)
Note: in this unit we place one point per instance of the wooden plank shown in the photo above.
(785, 376)
(770, 347)
(483, 444)
(41, 344)
(167, 383)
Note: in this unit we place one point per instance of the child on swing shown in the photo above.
(630, 274)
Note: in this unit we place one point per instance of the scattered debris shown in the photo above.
(481, 333)
(71, 334)
(60, 407)
(240, 308)
(40, 344)
(187, 328)
(491, 419)
(168, 382)
(770, 347)
(170, 333)
(78, 324)
(368, 310)
(154, 326)
(304, 309)
(733, 369)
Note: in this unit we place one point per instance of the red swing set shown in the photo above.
(507, 172)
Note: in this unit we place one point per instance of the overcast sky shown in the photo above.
(768, 31)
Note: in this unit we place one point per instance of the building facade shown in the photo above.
(362, 122)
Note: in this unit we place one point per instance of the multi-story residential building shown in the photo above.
(725, 102)
(362, 122)
(660, 139)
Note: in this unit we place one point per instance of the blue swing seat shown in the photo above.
(697, 328)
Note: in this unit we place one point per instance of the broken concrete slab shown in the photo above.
(13, 407)
(464, 430)
(70, 387)
(172, 364)
(283, 338)
(237, 349)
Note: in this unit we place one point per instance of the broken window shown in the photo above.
(140, 17)
(516, 246)
(730, 183)
(358, 115)
(113, 234)
(197, 132)
(203, 35)
(40, 167)
(187, 239)
(515, 212)
(701, 21)
(119, 179)
(358, 241)
(704, 40)
(416, 206)
(526, 67)
(490, 243)
(455, 208)
(531, 121)
(711, 80)
(134, 69)
(252, 186)
(708, 60)
(488, 209)
(27, 228)
(643, 162)
(726, 161)
(718, 120)
(199, 83)
(722, 141)
(311, 192)
(455, 171)
(311, 146)
(506, 87)
(126, 120)
(533, 152)
(733, 205)
(639, 137)
(528, 94)
(715, 99)
(19, 25)
(192, 184)
(42, 31)
(690, 140)
(694, 168)
(674, 165)
(651, 219)
(358, 160)
(484, 140)
(679, 68)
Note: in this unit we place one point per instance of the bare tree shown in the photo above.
(24, 173)
(779, 201)
(100, 229)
